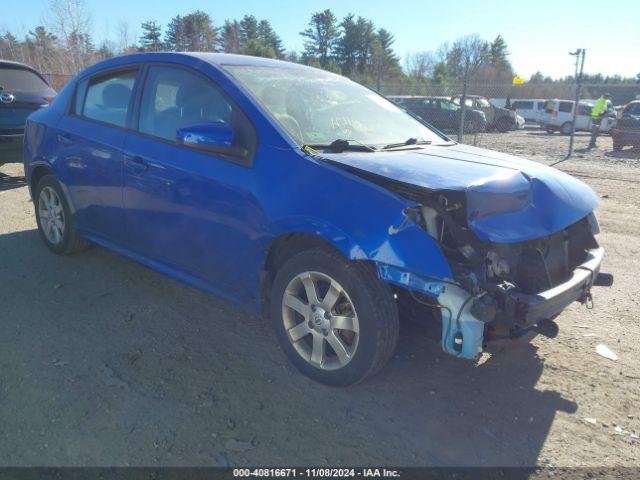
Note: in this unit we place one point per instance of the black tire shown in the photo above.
(565, 129)
(71, 241)
(372, 299)
(504, 125)
(617, 147)
(472, 126)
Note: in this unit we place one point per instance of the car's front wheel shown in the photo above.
(53, 216)
(335, 320)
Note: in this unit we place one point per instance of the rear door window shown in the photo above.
(21, 79)
(108, 97)
(566, 107)
(522, 105)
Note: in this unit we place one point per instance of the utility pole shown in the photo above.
(579, 54)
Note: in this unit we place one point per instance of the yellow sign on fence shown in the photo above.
(518, 80)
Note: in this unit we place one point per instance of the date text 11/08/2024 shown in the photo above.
(316, 472)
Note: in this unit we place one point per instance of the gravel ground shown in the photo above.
(104, 362)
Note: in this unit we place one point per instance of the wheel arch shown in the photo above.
(286, 245)
(37, 173)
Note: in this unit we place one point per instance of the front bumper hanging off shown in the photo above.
(463, 333)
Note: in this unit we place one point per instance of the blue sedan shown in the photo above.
(300, 194)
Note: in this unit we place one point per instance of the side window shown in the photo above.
(174, 98)
(633, 109)
(523, 105)
(566, 107)
(584, 109)
(108, 96)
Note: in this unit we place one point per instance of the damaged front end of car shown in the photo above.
(521, 247)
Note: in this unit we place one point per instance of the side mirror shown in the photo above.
(216, 137)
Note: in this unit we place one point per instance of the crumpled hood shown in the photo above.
(509, 199)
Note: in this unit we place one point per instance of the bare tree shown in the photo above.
(464, 58)
(71, 23)
(420, 65)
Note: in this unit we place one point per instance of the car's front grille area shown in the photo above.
(547, 262)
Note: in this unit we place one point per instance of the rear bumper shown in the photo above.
(625, 137)
(549, 303)
(11, 148)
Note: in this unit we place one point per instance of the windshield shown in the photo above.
(317, 107)
(12, 79)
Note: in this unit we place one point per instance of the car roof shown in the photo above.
(217, 59)
(10, 63)
(191, 58)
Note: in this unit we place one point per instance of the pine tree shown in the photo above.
(199, 32)
(248, 28)
(498, 55)
(321, 36)
(175, 35)
(151, 39)
(229, 38)
(270, 38)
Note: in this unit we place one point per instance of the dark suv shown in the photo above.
(500, 119)
(22, 91)
(441, 112)
(627, 129)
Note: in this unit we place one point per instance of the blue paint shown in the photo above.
(509, 199)
(210, 222)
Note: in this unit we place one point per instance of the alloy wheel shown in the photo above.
(51, 215)
(320, 320)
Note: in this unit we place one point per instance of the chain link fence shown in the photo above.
(502, 108)
(57, 80)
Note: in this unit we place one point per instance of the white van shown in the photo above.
(558, 115)
(531, 109)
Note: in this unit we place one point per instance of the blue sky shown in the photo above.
(540, 33)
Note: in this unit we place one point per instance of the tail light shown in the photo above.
(49, 99)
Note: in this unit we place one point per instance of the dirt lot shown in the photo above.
(104, 362)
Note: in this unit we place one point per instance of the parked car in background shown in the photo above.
(22, 91)
(303, 195)
(532, 110)
(441, 112)
(627, 129)
(558, 116)
(498, 118)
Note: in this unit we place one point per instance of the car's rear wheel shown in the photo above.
(335, 320)
(565, 129)
(617, 146)
(53, 216)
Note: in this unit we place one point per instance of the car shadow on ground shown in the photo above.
(7, 182)
(627, 153)
(106, 362)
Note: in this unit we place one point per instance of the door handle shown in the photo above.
(136, 162)
(65, 139)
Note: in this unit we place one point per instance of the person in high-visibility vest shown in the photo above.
(599, 110)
